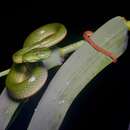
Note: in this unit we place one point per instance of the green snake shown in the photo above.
(28, 74)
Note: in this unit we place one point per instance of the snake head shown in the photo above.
(18, 56)
(36, 55)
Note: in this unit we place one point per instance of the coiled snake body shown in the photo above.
(25, 78)
(28, 74)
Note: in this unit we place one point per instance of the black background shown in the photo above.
(105, 105)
